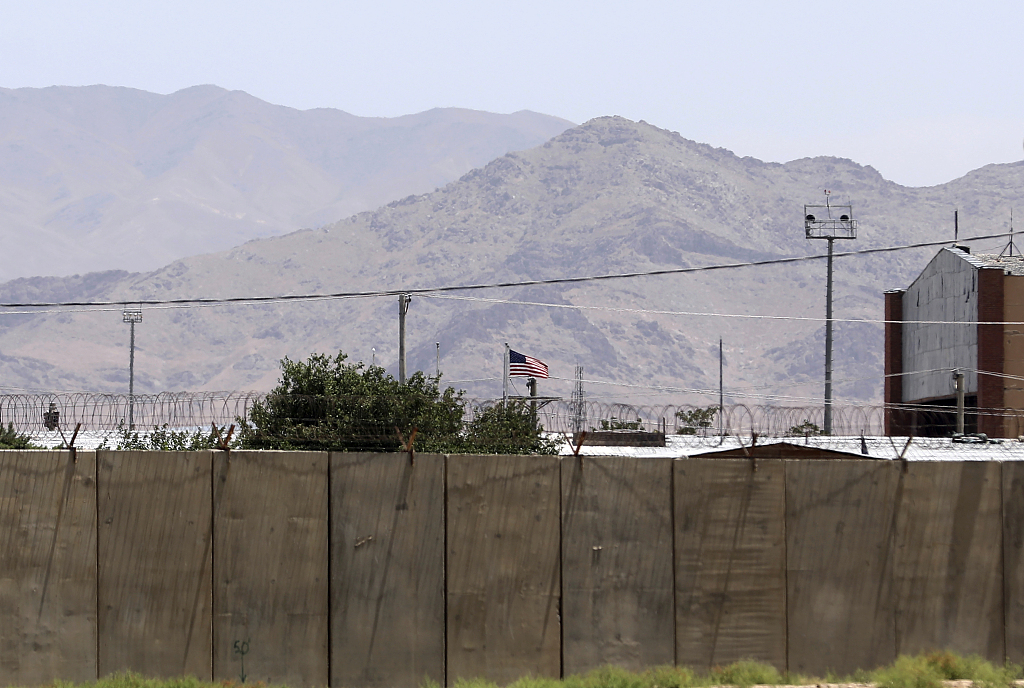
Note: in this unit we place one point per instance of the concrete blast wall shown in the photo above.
(366, 570)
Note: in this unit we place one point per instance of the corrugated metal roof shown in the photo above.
(1011, 264)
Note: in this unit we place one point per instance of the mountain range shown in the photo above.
(607, 197)
(98, 178)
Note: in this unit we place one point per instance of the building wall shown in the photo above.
(946, 290)
(991, 346)
(894, 416)
(1013, 353)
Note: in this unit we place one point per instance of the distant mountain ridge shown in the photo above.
(97, 177)
(609, 196)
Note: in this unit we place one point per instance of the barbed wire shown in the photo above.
(361, 419)
(106, 412)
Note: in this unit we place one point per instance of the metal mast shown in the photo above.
(131, 316)
(830, 223)
(578, 405)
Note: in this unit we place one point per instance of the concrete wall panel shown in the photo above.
(949, 559)
(387, 570)
(617, 580)
(1013, 559)
(270, 567)
(839, 539)
(503, 567)
(154, 562)
(730, 562)
(47, 567)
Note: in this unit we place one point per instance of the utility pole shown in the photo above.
(721, 393)
(532, 384)
(826, 226)
(504, 378)
(131, 316)
(828, 343)
(959, 376)
(403, 308)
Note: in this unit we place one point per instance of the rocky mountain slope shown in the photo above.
(609, 196)
(97, 178)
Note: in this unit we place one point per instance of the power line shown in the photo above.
(475, 287)
(653, 311)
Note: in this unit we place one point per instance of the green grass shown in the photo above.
(926, 670)
(929, 670)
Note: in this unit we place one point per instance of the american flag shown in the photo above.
(520, 365)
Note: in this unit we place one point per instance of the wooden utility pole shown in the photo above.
(403, 308)
(532, 384)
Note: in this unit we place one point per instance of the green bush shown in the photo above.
(12, 439)
(693, 420)
(165, 439)
(928, 670)
(745, 674)
(909, 672)
(804, 429)
(325, 403)
(506, 428)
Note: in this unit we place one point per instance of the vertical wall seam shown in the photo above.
(561, 569)
(330, 561)
(444, 569)
(675, 572)
(785, 550)
(213, 563)
(1002, 551)
(96, 508)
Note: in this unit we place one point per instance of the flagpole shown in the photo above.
(504, 377)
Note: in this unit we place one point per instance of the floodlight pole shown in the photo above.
(131, 316)
(825, 225)
(828, 343)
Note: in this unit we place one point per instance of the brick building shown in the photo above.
(953, 317)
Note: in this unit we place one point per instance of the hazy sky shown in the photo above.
(922, 91)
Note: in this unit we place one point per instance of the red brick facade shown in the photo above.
(894, 421)
(990, 350)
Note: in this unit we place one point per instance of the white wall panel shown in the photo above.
(946, 290)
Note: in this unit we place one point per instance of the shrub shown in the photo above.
(507, 428)
(746, 674)
(165, 439)
(12, 439)
(693, 420)
(325, 403)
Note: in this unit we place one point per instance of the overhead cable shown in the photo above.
(475, 287)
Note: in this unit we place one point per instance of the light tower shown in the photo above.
(131, 316)
(578, 405)
(829, 222)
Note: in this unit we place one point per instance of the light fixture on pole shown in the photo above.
(829, 222)
(131, 316)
